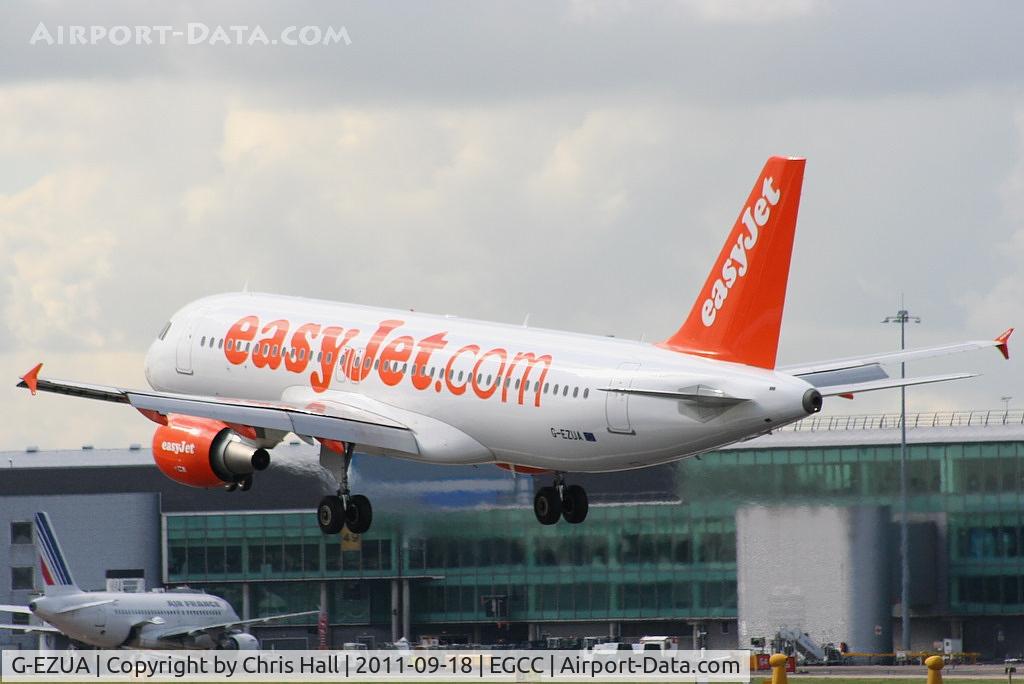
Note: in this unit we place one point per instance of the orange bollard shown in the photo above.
(935, 664)
(778, 663)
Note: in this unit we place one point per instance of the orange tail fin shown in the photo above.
(738, 313)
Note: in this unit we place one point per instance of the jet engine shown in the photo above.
(238, 642)
(200, 452)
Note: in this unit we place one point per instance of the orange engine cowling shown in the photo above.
(200, 452)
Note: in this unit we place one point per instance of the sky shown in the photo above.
(578, 162)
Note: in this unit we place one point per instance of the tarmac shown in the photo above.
(883, 672)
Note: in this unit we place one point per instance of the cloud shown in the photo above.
(54, 264)
(583, 168)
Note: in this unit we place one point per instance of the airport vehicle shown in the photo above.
(176, 619)
(233, 374)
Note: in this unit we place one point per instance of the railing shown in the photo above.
(891, 421)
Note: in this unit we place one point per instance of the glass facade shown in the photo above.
(630, 561)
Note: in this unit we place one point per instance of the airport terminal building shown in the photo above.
(794, 530)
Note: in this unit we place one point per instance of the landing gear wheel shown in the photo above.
(358, 514)
(231, 486)
(574, 504)
(245, 484)
(546, 506)
(330, 514)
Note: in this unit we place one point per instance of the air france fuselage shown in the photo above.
(115, 619)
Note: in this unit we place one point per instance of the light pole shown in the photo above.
(901, 317)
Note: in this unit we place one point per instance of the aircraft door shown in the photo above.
(184, 352)
(99, 617)
(616, 405)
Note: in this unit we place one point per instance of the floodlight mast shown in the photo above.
(902, 317)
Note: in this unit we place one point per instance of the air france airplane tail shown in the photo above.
(55, 570)
(738, 313)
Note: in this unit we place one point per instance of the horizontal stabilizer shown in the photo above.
(700, 395)
(1001, 343)
(21, 610)
(80, 606)
(889, 383)
(31, 628)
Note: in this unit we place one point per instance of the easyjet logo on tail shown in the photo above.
(735, 266)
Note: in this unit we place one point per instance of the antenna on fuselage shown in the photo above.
(526, 321)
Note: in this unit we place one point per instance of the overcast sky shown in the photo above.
(578, 162)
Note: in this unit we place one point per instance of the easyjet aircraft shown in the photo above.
(233, 374)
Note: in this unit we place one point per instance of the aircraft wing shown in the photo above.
(21, 610)
(325, 419)
(214, 629)
(867, 370)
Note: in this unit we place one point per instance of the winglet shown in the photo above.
(31, 379)
(1002, 343)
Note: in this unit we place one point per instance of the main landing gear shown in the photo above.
(342, 509)
(569, 502)
(244, 484)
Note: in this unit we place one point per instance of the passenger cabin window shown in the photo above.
(21, 533)
(21, 577)
(202, 342)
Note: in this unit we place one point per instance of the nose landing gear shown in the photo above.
(343, 509)
(569, 502)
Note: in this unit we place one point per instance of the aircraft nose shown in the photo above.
(152, 362)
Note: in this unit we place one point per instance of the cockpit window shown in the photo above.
(163, 332)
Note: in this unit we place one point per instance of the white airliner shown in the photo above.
(233, 374)
(108, 619)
